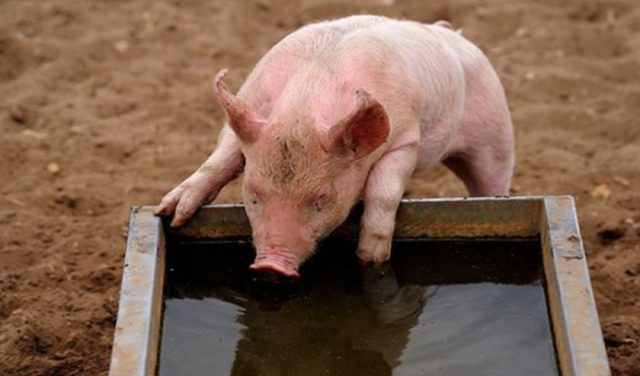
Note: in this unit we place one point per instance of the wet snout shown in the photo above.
(279, 264)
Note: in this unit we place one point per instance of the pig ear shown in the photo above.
(244, 121)
(361, 132)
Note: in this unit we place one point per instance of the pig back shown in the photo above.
(412, 69)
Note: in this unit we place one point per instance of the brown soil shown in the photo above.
(106, 104)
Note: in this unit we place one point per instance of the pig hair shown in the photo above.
(289, 164)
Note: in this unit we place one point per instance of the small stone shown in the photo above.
(497, 50)
(76, 129)
(53, 168)
(482, 12)
(121, 46)
(149, 24)
(34, 135)
(14, 201)
(522, 32)
(601, 191)
(530, 75)
(622, 181)
(610, 17)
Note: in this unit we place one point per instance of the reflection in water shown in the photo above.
(324, 330)
(438, 309)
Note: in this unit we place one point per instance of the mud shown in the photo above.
(107, 104)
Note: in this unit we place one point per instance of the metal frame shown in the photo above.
(578, 338)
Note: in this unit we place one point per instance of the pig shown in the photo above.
(345, 110)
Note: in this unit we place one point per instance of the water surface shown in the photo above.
(439, 308)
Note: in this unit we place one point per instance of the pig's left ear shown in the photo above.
(243, 120)
(361, 132)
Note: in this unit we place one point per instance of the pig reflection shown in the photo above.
(332, 333)
(346, 109)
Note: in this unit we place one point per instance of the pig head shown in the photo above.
(301, 177)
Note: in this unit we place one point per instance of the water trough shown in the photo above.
(549, 222)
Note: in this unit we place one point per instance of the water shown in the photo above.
(439, 308)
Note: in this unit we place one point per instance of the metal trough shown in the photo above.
(578, 339)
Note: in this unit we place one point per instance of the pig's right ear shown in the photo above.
(245, 122)
(361, 132)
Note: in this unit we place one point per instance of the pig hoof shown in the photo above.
(373, 258)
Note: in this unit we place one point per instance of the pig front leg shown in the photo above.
(202, 187)
(383, 192)
(393, 303)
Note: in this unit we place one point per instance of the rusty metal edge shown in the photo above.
(136, 337)
(578, 337)
(416, 218)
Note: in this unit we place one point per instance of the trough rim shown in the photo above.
(576, 328)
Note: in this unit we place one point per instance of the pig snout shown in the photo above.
(277, 263)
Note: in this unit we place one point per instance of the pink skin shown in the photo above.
(346, 109)
(291, 211)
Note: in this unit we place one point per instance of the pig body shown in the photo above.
(346, 109)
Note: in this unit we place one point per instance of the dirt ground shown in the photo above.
(107, 104)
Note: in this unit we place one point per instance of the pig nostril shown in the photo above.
(274, 274)
(276, 263)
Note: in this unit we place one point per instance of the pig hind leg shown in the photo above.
(483, 155)
(486, 172)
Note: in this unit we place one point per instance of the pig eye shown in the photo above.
(252, 197)
(321, 202)
(253, 200)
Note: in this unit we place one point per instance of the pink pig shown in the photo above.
(346, 109)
